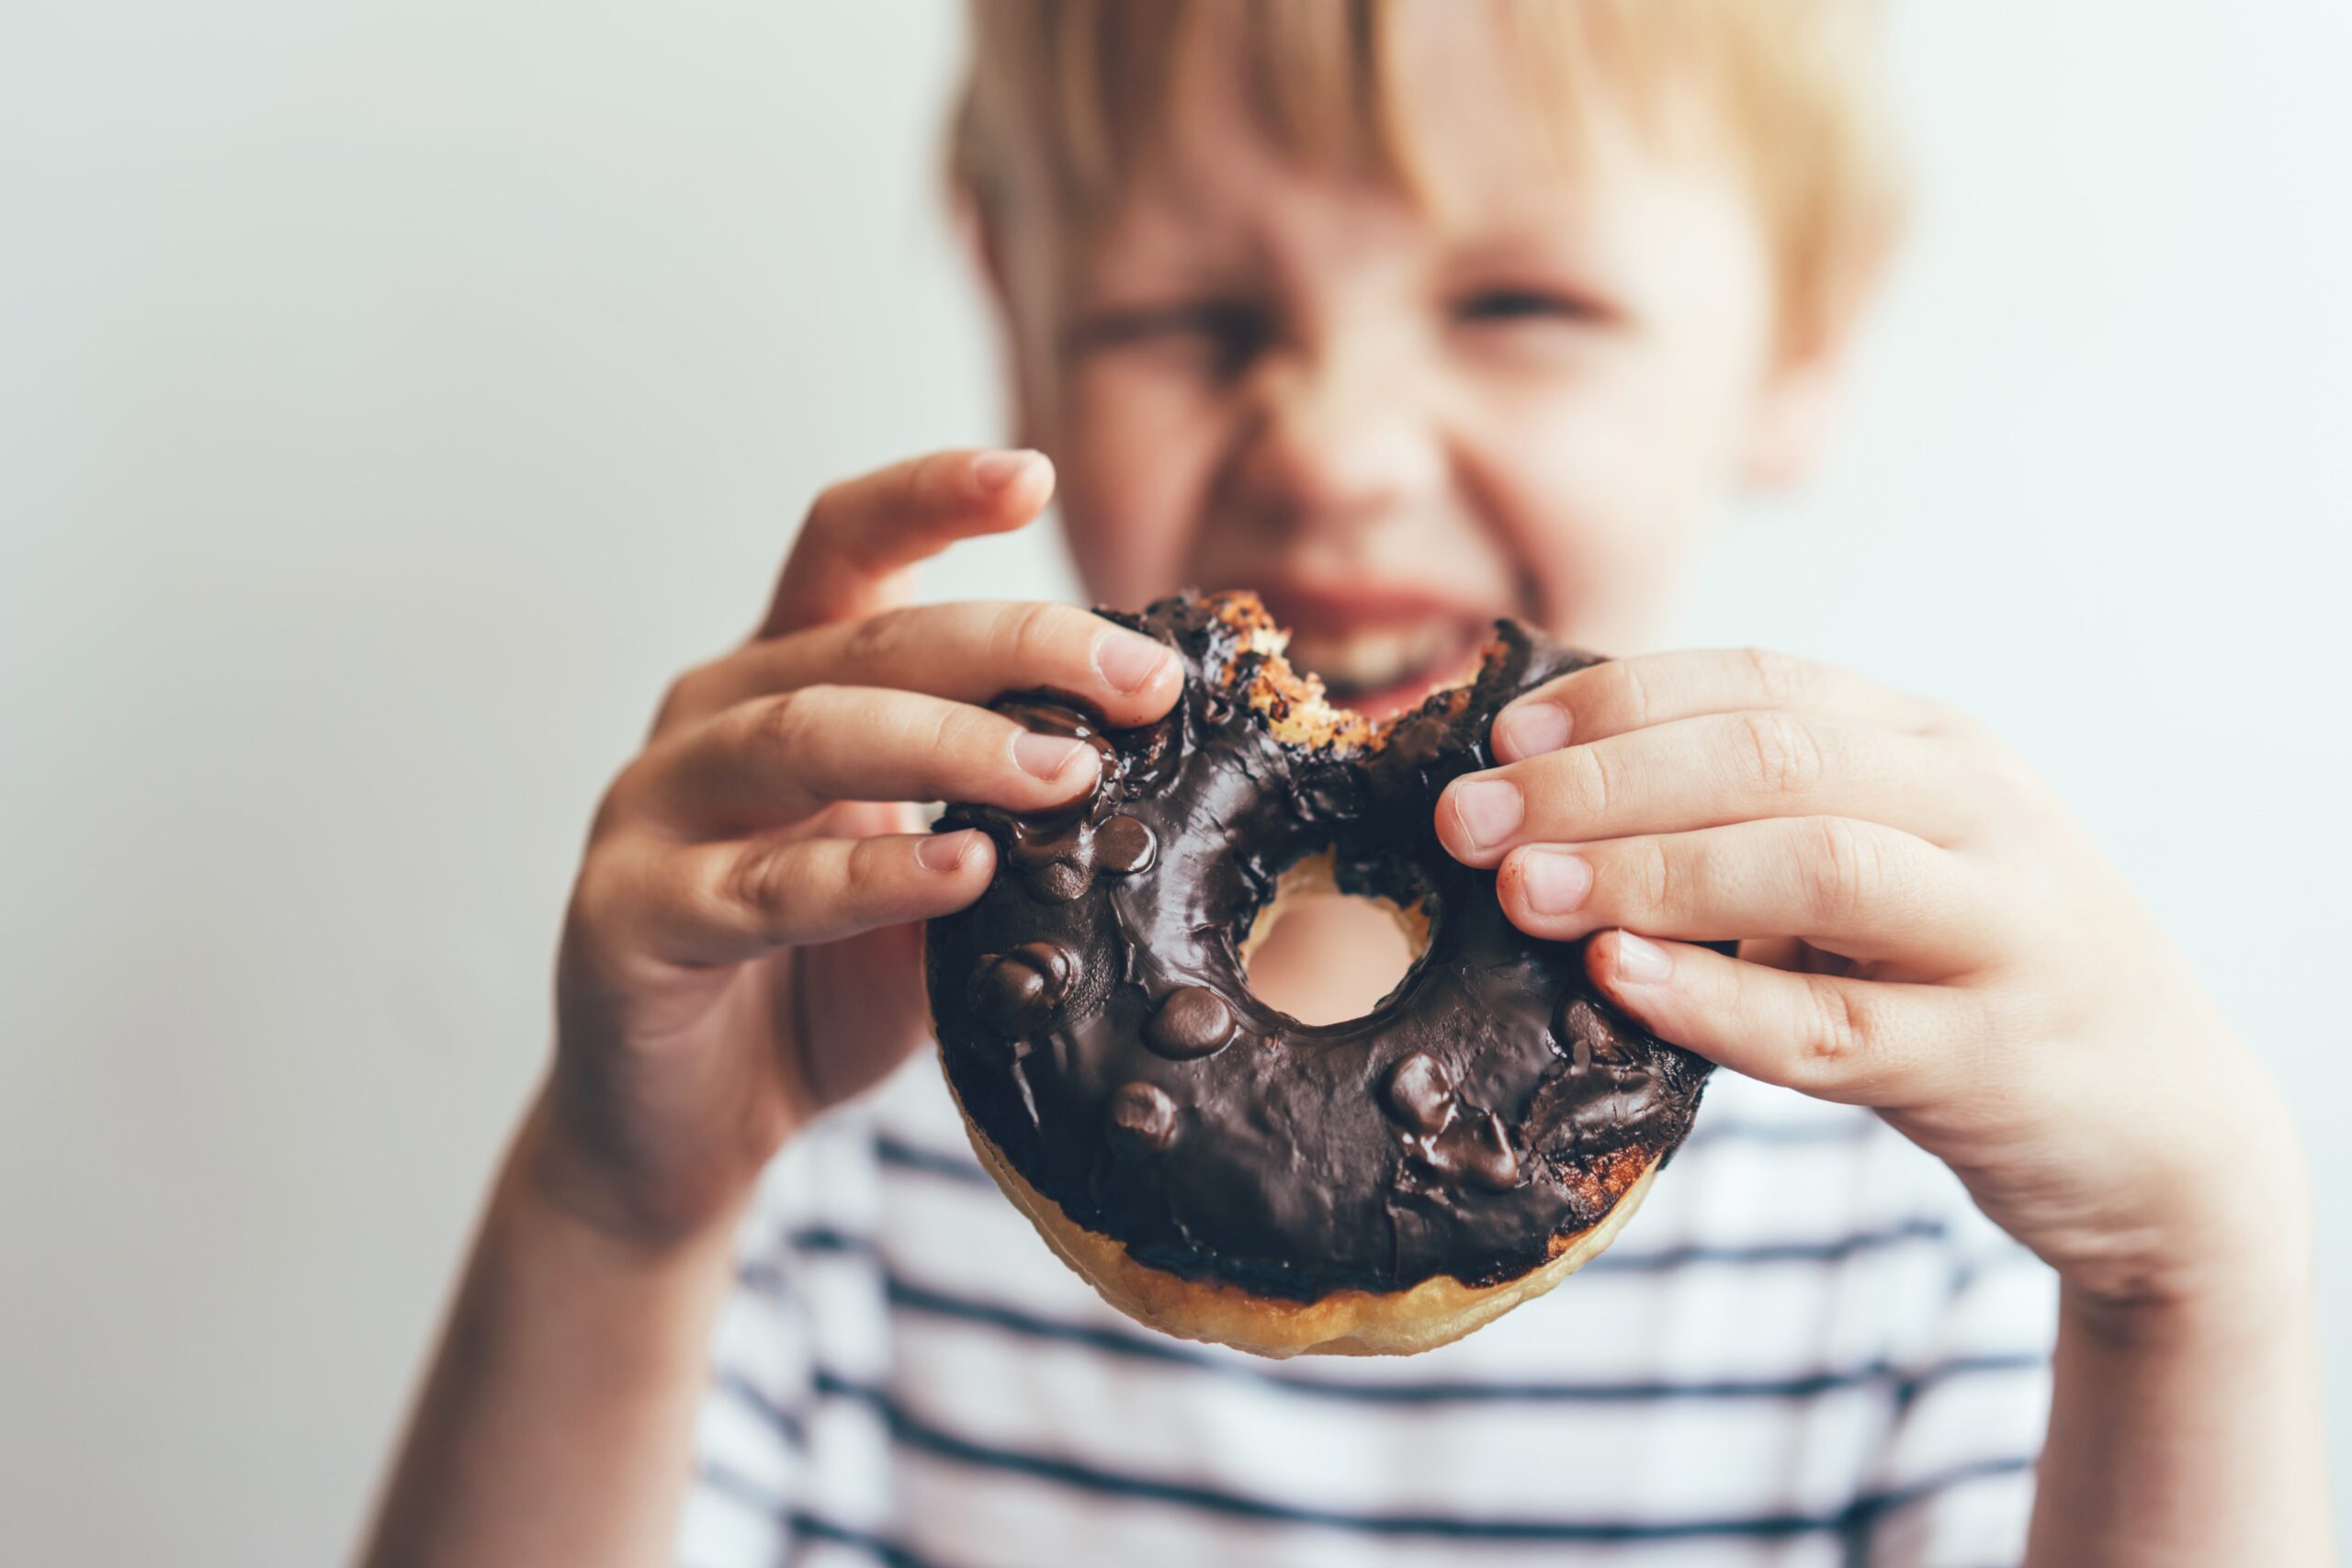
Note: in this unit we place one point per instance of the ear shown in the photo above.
(1797, 411)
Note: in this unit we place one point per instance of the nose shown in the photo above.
(1338, 437)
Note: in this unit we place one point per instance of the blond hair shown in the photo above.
(1076, 91)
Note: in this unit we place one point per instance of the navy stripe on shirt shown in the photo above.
(790, 1423)
(1909, 1383)
(912, 1432)
(912, 1297)
(908, 1296)
(727, 1484)
(1112, 1341)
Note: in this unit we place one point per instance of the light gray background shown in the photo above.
(392, 396)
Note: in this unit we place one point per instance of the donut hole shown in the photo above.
(1325, 956)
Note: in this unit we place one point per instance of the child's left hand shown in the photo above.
(1927, 932)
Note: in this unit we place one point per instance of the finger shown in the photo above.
(972, 652)
(1705, 771)
(775, 761)
(728, 903)
(863, 537)
(1625, 695)
(1859, 889)
(1862, 1042)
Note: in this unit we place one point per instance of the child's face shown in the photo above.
(1398, 423)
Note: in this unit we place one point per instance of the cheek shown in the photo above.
(1606, 475)
(1136, 459)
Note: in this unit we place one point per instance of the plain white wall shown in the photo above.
(392, 396)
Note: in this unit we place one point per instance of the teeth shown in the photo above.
(1374, 657)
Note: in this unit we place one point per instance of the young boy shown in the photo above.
(1407, 316)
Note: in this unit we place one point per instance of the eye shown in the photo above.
(1502, 306)
(1226, 335)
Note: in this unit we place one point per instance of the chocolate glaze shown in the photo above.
(1094, 1020)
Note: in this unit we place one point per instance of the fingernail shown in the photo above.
(1127, 660)
(1531, 729)
(995, 471)
(1046, 756)
(1643, 962)
(1555, 881)
(945, 852)
(1488, 810)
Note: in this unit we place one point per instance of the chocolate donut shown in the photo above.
(1215, 1167)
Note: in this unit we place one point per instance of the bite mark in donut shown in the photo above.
(1219, 1167)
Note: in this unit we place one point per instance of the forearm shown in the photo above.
(556, 1421)
(2188, 1434)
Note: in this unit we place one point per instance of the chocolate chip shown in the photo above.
(1472, 1147)
(1013, 991)
(1125, 844)
(1143, 1119)
(1420, 1093)
(1190, 1022)
(1486, 1155)
(1584, 1031)
(1059, 882)
(1044, 837)
(1050, 959)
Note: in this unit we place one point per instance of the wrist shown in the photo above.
(555, 1186)
(551, 1290)
(2244, 1271)
(555, 1423)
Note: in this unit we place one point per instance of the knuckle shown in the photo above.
(2010, 774)
(615, 805)
(1839, 1031)
(930, 481)
(597, 893)
(681, 699)
(958, 732)
(782, 723)
(1782, 755)
(1586, 778)
(1779, 678)
(1034, 631)
(1634, 696)
(864, 868)
(875, 640)
(830, 511)
(1940, 718)
(764, 878)
(1653, 878)
(1846, 869)
(1999, 1017)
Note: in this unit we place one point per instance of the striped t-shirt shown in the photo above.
(1807, 1349)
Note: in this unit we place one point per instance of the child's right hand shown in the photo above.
(744, 946)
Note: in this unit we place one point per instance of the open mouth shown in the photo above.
(1382, 670)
